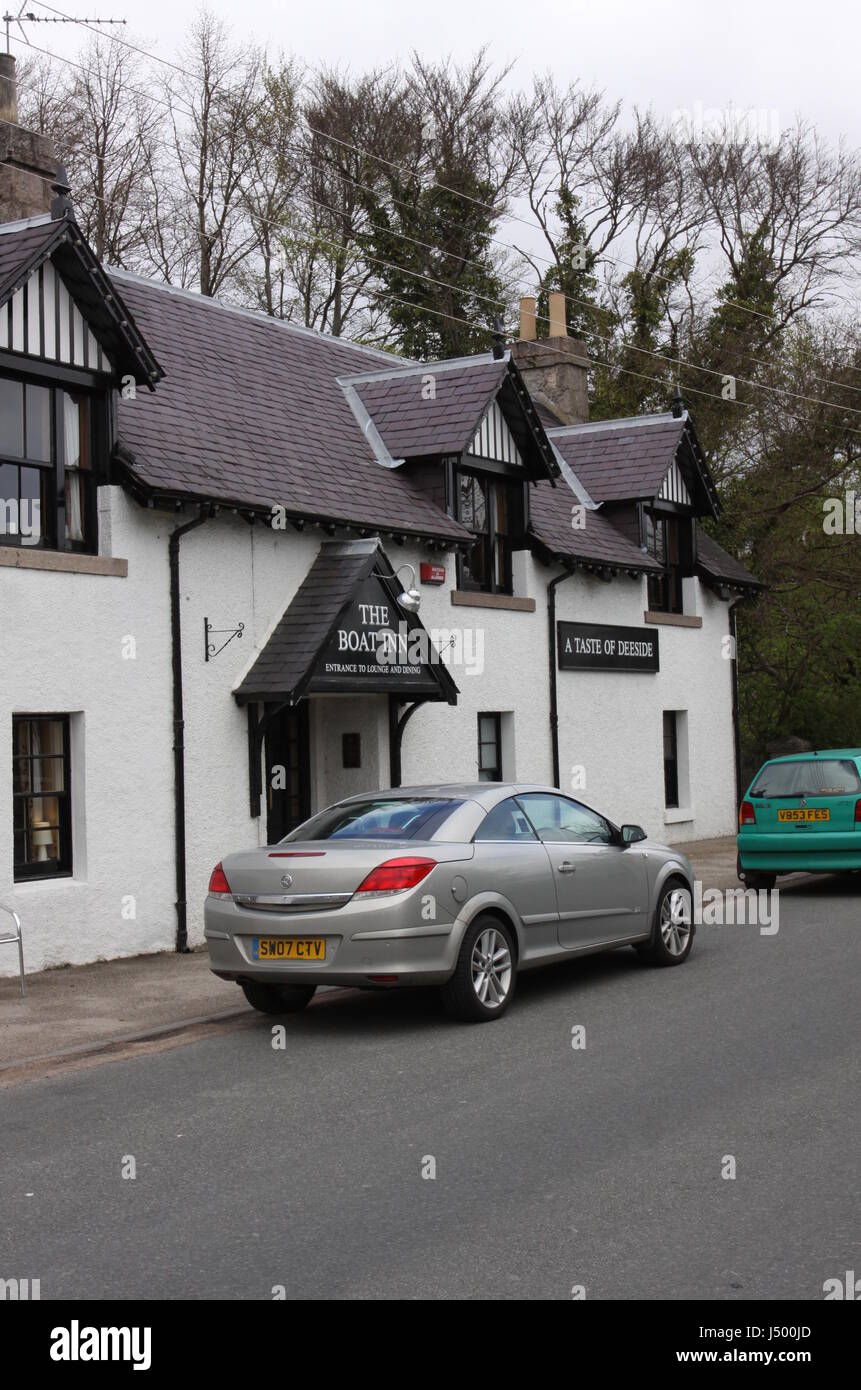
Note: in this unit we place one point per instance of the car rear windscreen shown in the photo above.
(378, 818)
(813, 777)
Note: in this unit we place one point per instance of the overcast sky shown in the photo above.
(778, 57)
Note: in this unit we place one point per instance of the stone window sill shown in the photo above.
(674, 815)
(474, 598)
(62, 562)
(672, 619)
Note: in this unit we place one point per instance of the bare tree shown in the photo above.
(104, 123)
(215, 105)
(799, 201)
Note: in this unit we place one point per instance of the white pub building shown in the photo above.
(247, 569)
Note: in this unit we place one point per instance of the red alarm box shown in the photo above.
(431, 574)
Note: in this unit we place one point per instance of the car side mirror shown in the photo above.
(632, 834)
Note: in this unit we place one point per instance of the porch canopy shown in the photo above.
(344, 632)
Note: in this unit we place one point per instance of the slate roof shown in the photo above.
(285, 665)
(716, 563)
(18, 249)
(412, 426)
(250, 413)
(598, 542)
(24, 248)
(619, 461)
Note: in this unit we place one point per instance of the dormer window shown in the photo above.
(492, 508)
(49, 442)
(668, 540)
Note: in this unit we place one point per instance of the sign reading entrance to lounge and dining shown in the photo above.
(375, 645)
(600, 647)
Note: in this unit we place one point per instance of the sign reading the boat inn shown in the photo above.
(374, 646)
(600, 647)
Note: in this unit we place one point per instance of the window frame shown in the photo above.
(671, 760)
(496, 742)
(59, 382)
(33, 870)
(497, 545)
(674, 552)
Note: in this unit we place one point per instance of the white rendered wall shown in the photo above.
(66, 649)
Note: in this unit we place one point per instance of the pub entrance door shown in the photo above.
(287, 772)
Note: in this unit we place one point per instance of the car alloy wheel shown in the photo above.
(482, 984)
(675, 921)
(491, 968)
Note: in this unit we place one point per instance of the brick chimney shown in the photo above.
(28, 165)
(554, 368)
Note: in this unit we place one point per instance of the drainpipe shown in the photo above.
(179, 727)
(736, 732)
(551, 649)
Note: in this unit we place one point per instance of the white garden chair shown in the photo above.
(16, 937)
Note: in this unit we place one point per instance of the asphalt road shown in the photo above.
(555, 1167)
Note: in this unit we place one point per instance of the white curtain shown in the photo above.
(72, 460)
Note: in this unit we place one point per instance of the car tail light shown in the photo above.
(747, 815)
(857, 814)
(218, 881)
(396, 875)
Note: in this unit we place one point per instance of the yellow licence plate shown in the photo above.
(288, 948)
(807, 814)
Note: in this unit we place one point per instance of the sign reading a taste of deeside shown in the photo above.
(600, 647)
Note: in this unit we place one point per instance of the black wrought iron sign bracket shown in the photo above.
(211, 649)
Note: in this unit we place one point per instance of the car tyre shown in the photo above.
(277, 999)
(672, 929)
(482, 986)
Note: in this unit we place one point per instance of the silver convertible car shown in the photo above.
(456, 886)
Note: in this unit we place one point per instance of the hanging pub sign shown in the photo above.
(376, 646)
(599, 647)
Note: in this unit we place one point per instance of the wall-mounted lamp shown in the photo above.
(410, 599)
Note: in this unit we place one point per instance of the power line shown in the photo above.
(374, 293)
(594, 309)
(487, 207)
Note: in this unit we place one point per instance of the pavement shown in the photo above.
(106, 1006)
(698, 1145)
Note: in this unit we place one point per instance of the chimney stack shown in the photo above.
(28, 166)
(554, 368)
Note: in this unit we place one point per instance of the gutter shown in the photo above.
(551, 651)
(179, 726)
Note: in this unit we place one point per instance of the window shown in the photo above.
(380, 818)
(505, 822)
(811, 777)
(351, 750)
(668, 541)
(47, 482)
(41, 819)
(558, 818)
(671, 759)
(489, 748)
(493, 509)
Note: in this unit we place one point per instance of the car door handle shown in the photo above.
(566, 867)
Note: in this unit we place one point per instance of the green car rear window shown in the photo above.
(813, 777)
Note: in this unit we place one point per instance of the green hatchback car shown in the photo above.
(801, 813)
